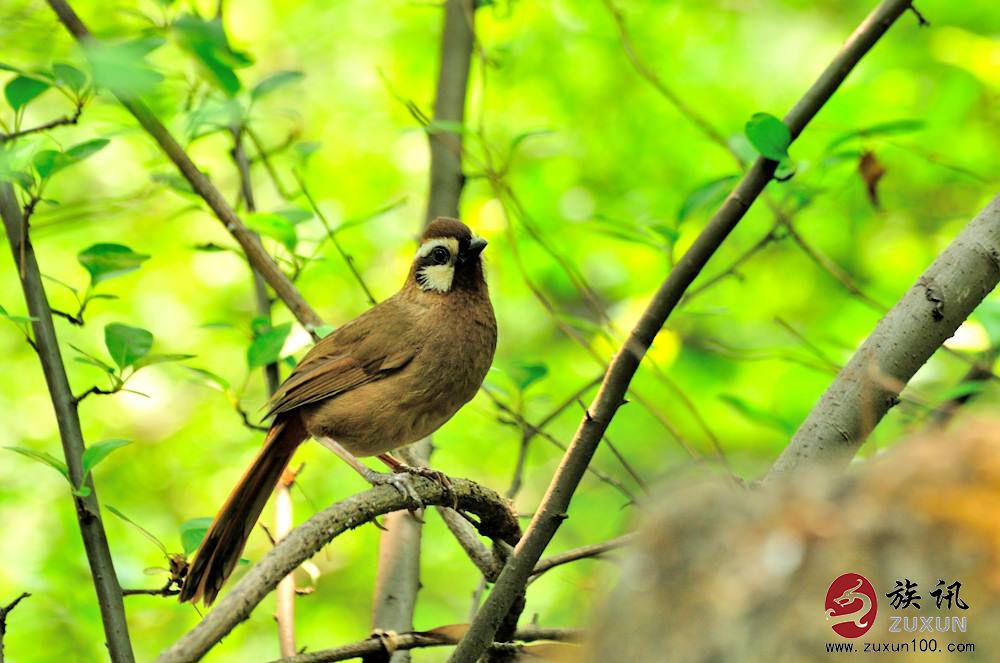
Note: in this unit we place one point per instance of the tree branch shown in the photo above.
(584, 552)
(255, 253)
(597, 418)
(405, 641)
(4, 611)
(494, 517)
(72, 118)
(95, 541)
(870, 383)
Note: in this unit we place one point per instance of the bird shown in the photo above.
(388, 378)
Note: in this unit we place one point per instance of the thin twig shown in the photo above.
(407, 641)
(59, 122)
(4, 611)
(584, 552)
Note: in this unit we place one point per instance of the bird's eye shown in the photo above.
(440, 255)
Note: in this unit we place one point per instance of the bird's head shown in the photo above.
(448, 258)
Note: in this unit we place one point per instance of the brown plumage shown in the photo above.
(388, 378)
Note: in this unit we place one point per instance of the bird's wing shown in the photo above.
(367, 349)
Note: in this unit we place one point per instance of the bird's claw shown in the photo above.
(402, 482)
(434, 475)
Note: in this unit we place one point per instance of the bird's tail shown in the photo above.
(223, 544)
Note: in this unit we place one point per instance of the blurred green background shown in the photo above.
(602, 186)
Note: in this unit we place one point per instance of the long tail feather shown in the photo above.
(223, 544)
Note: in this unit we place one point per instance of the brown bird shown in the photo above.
(388, 378)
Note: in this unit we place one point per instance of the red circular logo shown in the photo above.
(851, 605)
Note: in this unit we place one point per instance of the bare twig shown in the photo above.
(4, 611)
(553, 509)
(102, 569)
(72, 118)
(493, 516)
(406, 641)
(584, 552)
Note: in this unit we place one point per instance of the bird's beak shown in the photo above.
(476, 247)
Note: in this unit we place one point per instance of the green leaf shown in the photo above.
(275, 226)
(275, 81)
(207, 41)
(122, 67)
(963, 389)
(266, 348)
(106, 261)
(16, 318)
(769, 136)
(192, 533)
(44, 458)
(72, 77)
(49, 162)
(526, 374)
(295, 215)
(98, 451)
(305, 150)
(706, 195)
(150, 360)
(125, 344)
(20, 90)
(757, 415)
(881, 129)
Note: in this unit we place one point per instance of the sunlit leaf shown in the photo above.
(44, 458)
(192, 533)
(125, 344)
(266, 348)
(150, 360)
(105, 261)
(21, 90)
(526, 374)
(275, 226)
(69, 75)
(16, 318)
(98, 451)
(49, 162)
(882, 129)
(769, 136)
(207, 41)
(210, 378)
(122, 67)
(274, 82)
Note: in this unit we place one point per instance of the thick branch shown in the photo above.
(597, 418)
(258, 258)
(929, 313)
(95, 541)
(493, 513)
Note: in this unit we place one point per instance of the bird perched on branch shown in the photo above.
(388, 378)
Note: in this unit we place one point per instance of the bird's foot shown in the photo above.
(434, 475)
(401, 481)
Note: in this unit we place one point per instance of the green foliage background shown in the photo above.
(601, 166)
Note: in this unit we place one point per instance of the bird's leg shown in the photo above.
(399, 481)
(399, 467)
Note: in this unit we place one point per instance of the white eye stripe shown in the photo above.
(449, 243)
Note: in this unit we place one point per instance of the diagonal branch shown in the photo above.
(95, 540)
(255, 253)
(554, 506)
(926, 316)
(496, 521)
